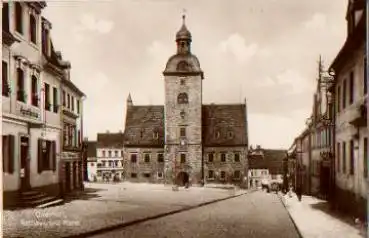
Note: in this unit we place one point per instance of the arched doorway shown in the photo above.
(182, 178)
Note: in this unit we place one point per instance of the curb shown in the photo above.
(289, 215)
(160, 215)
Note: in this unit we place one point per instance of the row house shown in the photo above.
(265, 165)
(337, 128)
(71, 167)
(32, 78)
(91, 160)
(109, 157)
(350, 90)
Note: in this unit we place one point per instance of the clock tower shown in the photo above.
(182, 113)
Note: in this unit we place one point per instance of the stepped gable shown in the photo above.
(142, 124)
(224, 125)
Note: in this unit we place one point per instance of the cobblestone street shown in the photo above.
(257, 214)
(105, 205)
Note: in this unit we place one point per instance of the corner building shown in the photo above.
(184, 140)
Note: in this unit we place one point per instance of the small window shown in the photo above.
(116, 163)
(223, 157)
(147, 175)
(5, 82)
(109, 154)
(222, 174)
(155, 135)
(133, 175)
(182, 114)
(103, 153)
(160, 174)
(183, 158)
(147, 158)
(182, 98)
(217, 135)
(183, 82)
(236, 157)
(237, 174)
(133, 158)
(116, 153)
(92, 164)
(182, 132)
(98, 173)
(160, 158)
(210, 174)
(210, 157)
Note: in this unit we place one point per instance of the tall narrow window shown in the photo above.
(78, 106)
(68, 101)
(64, 99)
(183, 158)
(18, 17)
(183, 132)
(352, 157)
(351, 85)
(338, 99)
(21, 94)
(344, 93)
(5, 82)
(344, 157)
(33, 29)
(72, 103)
(45, 41)
(34, 91)
(79, 138)
(5, 16)
(365, 152)
(47, 97)
(365, 76)
(55, 100)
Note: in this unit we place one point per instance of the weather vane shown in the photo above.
(184, 14)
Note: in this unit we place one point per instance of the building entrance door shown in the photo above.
(24, 163)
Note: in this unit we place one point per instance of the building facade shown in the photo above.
(31, 122)
(350, 90)
(71, 167)
(184, 141)
(91, 161)
(109, 157)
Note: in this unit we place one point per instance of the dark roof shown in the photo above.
(111, 140)
(141, 124)
(228, 120)
(271, 159)
(91, 149)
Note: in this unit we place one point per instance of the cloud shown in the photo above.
(296, 82)
(317, 22)
(235, 45)
(88, 22)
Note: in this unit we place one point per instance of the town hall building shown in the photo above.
(185, 141)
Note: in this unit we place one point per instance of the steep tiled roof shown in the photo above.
(91, 149)
(110, 140)
(271, 159)
(228, 120)
(224, 125)
(141, 124)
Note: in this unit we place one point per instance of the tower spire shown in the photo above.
(183, 16)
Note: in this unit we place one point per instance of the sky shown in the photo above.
(266, 51)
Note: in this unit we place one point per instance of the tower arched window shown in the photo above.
(182, 98)
(183, 66)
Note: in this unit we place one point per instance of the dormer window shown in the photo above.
(217, 135)
(230, 134)
(182, 98)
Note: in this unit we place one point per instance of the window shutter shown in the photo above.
(53, 155)
(39, 156)
(11, 154)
